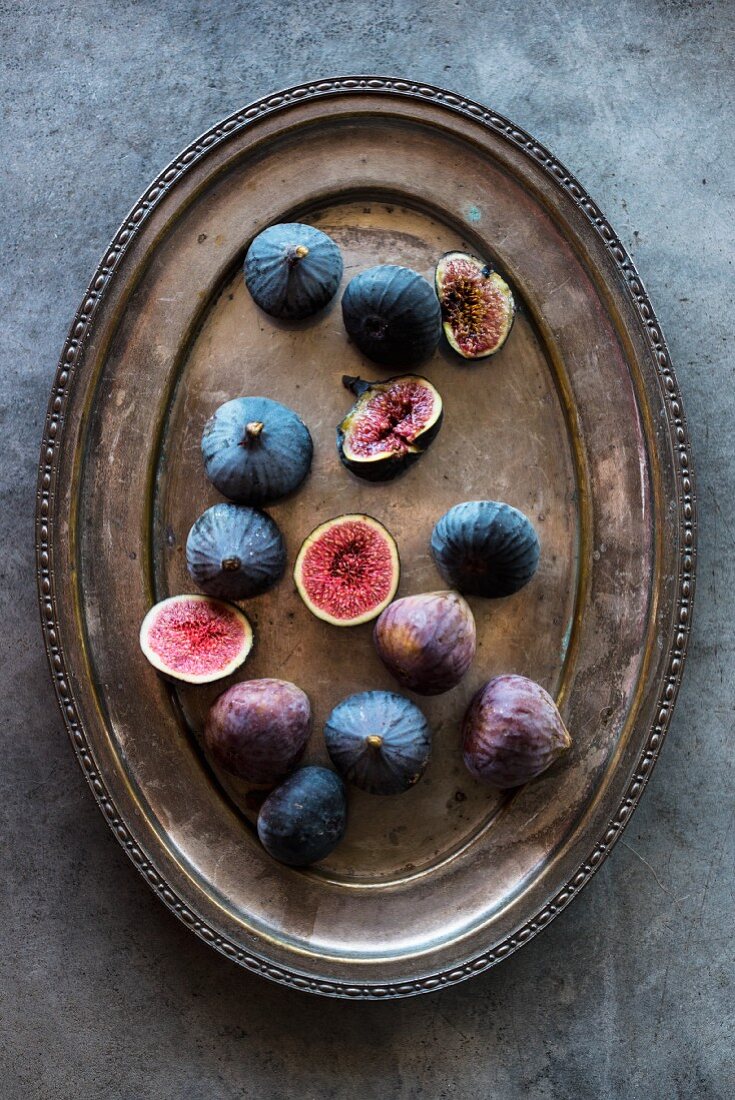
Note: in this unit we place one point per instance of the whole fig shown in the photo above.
(258, 729)
(428, 641)
(512, 732)
(304, 819)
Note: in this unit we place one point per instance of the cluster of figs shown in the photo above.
(256, 451)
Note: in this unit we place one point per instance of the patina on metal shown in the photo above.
(578, 421)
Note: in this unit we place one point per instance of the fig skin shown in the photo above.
(427, 641)
(305, 818)
(258, 729)
(378, 740)
(512, 732)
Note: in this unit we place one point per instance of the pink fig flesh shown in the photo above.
(512, 732)
(258, 729)
(427, 641)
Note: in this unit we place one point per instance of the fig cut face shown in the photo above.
(196, 639)
(477, 305)
(347, 570)
(390, 425)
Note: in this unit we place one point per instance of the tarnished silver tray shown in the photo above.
(578, 421)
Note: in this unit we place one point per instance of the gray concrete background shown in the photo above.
(630, 992)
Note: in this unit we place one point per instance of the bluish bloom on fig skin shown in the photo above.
(392, 314)
(235, 552)
(485, 548)
(256, 450)
(378, 740)
(293, 270)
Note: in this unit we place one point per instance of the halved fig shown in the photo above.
(477, 305)
(196, 639)
(347, 570)
(390, 425)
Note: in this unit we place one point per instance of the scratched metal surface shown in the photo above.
(431, 888)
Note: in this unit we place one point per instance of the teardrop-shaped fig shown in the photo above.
(292, 270)
(235, 552)
(392, 314)
(427, 641)
(512, 732)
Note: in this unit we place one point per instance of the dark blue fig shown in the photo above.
(392, 314)
(305, 818)
(292, 270)
(258, 729)
(234, 552)
(256, 450)
(512, 732)
(485, 548)
(379, 741)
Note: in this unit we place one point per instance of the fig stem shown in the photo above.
(231, 565)
(252, 431)
(297, 253)
(374, 740)
(355, 385)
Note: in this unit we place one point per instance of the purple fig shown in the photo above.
(512, 732)
(428, 641)
(258, 729)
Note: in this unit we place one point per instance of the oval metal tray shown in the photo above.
(578, 421)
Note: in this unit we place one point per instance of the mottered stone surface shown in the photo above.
(630, 991)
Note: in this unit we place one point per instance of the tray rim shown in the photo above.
(686, 521)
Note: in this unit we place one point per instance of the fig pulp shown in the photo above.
(258, 729)
(476, 303)
(379, 741)
(428, 641)
(512, 732)
(390, 425)
(195, 638)
(304, 819)
(347, 570)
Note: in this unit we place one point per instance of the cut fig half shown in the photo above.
(477, 305)
(390, 425)
(195, 639)
(347, 570)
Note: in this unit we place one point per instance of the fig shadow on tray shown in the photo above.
(488, 406)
